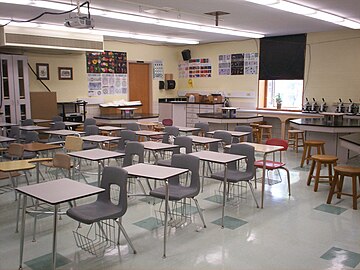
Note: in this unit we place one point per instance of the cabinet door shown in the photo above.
(15, 95)
(179, 114)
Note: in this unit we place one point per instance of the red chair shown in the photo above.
(167, 122)
(272, 164)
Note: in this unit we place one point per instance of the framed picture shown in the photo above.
(65, 73)
(42, 71)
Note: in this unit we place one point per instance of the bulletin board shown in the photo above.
(195, 68)
(107, 73)
(238, 64)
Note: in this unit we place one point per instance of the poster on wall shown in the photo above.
(238, 64)
(195, 68)
(107, 73)
(158, 70)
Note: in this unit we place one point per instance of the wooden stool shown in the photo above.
(255, 132)
(319, 160)
(296, 139)
(340, 173)
(307, 150)
(265, 130)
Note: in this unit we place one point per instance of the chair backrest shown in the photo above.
(126, 135)
(73, 143)
(167, 122)
(91, 130)
(224, 136)
(192, 164)
(57, 118)
(89, 121)
(133, 149)
(133, 126)
(58, 125)
(118, 177)
(62, 160)
(184, 142)
(244, 150)
(31, 136)
(278, 142)
(204, 128)
(28, 122)
(249, 138)
(170, 131)
(16, 150)
(14, 132)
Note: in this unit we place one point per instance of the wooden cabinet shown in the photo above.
(15, 96)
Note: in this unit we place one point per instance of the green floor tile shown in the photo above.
(331, 209)
(230, 222)
(149, 224)
(44, 262)
(342, 256)
(215, 199)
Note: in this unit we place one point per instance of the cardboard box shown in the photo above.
(215, 98)
(196, 96)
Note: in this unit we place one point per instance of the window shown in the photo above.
(290, 91)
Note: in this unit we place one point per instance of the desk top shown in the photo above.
(148, 133)
(153, 171)
(96, 154)
(4, 124)
(33, 128)
(36, 147)
(63, 132)
(6, 139)
(110, 128)
(188, 129)
(18, 165)
(232, 132)
(99, 138)
(59, 191)
(158, 145)
(217, 157)
(203, 140)
(264, 148)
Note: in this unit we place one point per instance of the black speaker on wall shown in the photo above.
(161, 85)
(170, 84)
(186, 55)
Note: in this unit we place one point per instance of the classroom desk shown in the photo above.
(265, 150)
(233, 133)
(6, 139)
(156, 147)
(100, 139)
(63, 132)
(188, 129)
(39, 147)
(160, 173)
(99, 155)
(148, 133)
(4, 126)
(220, 158)
(110, 129)
(53, 192)
(203, 140)
(33, 128)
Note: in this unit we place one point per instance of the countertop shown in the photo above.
(136, 116)
(220, 116)
(321, 122)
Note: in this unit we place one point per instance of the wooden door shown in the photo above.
(139, 85)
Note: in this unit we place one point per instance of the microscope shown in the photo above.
(307, 106)
(340, 107)
(323, 106)
(314, 106)
(353, 108)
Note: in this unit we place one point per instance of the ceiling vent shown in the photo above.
(37, 38)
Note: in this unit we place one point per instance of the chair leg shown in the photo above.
(199, 211)
(252, 192)
(126, 235)
(288, 178)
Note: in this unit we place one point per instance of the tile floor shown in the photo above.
(296, 232)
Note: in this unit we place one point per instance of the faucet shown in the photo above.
(351, 106)
(307, 106)
(314, 106)
(340, 108)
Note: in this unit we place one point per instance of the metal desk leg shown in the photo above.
(99, 172)
(224, 196)
(166, 214)
(22, 236)
(263, 182)
(203, 176)
(56, 207)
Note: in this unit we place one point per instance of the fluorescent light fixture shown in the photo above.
(309, 12)
(140, 19)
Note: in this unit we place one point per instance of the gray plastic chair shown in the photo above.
(226, 140)
(14, 132)
(126, 135)
(133, 149)
(90, 130)
(170, 131)
(204, 128)
(249, 138)
(57, 118)
(28, 122)
(89, 121)
(182, 142)
(103, 208)
(31, 136)
(177, 191)
(234, 175)
(133, 126)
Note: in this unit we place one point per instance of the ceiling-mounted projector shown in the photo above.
(79, 22)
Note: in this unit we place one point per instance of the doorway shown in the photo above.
(139, 85)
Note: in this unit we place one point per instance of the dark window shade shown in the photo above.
(282, 58)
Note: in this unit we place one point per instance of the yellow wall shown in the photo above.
(332, 68)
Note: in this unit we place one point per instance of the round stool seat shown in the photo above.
(295, 131)
(324, 158)
(314, 142)
(347, 170)
(265, 126)
(339, 176)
